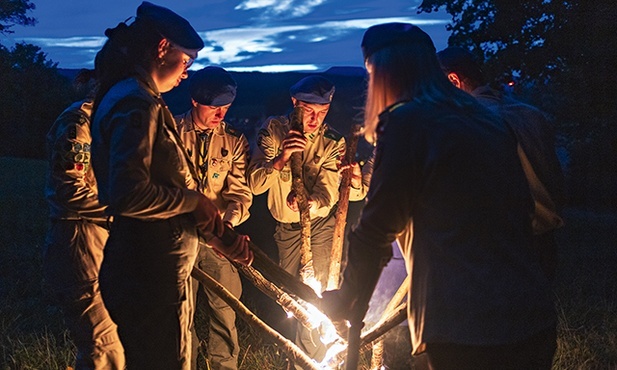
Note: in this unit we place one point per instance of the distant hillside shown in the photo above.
(264, 94)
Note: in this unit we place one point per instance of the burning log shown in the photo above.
(272, 271)
(395, 301)
(383, 326)
(297, 186)
(294, 353)
(341, 213)
(284, 300)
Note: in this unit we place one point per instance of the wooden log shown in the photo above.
(297, 186)
(386, 324)
(284, 300)
(336, 256)
(293, 352)
(271, 270)
(395, 301)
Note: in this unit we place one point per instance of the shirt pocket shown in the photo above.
(218, 168)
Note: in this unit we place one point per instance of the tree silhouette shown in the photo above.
(561, 54)
(13, 12)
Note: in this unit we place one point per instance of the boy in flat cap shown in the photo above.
(270, 170)
(536, 138)
(220, 155)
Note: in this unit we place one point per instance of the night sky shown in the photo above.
(240, 35)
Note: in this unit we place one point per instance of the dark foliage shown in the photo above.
(32, 95)
(13, 12)
(560, 54)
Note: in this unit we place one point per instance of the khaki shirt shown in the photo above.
(225, 185)
(320, 169)
(71, 186)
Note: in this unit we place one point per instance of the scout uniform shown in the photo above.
(143, 175)
(220, 156)
(75, 241)
(323, 149)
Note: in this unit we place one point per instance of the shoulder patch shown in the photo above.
(232, 131)
(263, 132)
(332, 134)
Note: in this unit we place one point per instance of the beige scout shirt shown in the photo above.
(226, 184)
(71, 186)
(321, 177)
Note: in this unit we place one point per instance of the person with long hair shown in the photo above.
(78, 230)
(148, 184)
(447, 167)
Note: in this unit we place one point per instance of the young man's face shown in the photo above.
(313, 115)
(207, 117)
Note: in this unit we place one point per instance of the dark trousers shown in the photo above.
(533, 353)
(144, 282)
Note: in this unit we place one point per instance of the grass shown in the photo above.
(33, 336)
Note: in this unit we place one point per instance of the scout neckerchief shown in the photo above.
(203, 138)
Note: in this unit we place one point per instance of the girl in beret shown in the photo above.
(447, 169)
(148, 184)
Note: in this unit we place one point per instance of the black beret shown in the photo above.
(171, 26)
(212, 86)
(388, 34)
(313, 89)
(462, 62)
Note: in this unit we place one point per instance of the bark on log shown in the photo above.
(395, 301)
(292, 351)
(388, 323)
(336, 256)
(297, 186)
(284, 300)
(272, 271)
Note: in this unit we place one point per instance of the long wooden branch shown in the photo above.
(297, 186)
(388, 323)
(395, 301)
(272, 271)
(294, 353)
(284, 300)
(336, 256)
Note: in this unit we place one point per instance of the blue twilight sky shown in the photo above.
(240, 35)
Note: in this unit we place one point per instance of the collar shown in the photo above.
(146, 80)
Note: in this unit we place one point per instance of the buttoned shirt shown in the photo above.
(222, 171)
(320, 160)
(71, 189)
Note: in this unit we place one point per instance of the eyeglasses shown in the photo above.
(187, 63)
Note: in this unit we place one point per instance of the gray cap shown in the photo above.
(171, 26)
(313, 89)
(212, 86)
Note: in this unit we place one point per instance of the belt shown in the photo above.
(298, 226)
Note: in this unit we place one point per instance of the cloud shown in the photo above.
(68, 42)
(280, 9)
(229, 46)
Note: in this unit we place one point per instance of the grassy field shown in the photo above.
(33, 336)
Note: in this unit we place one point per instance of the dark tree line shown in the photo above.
(562, 55)
(32, 92)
